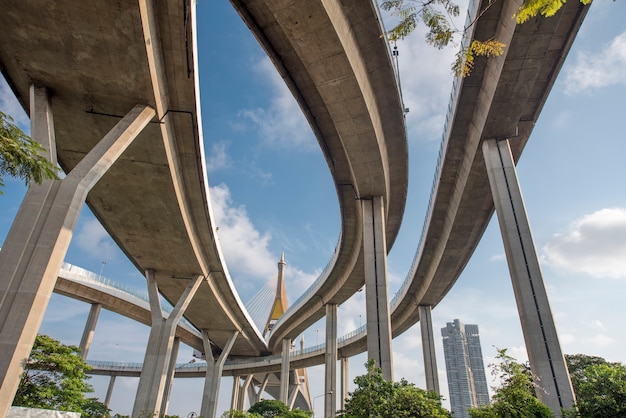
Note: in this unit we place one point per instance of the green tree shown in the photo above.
(297, 413)
(546, 8)
(233, 413)
(269, 408)
(600, 386)
(20, 156)
(436, 15)
(54, 378)
(377, 397)
(515, 398)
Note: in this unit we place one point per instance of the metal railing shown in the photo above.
(472, 12)
(87, 276)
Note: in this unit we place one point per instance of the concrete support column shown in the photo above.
(252, 394)
(243, 392)
(213, 374)
(157, 361)
(330, 380)
(428, 347)
(35, 247)
(90, 327)
(345, 380)
(293, 393)
(542, 342)
(376, 289)
(107, 399)
(266, 380)
(284, 372)
(234, 399)
(169, 381)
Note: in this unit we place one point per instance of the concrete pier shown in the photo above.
(330, 379)
(542, 342)
(213, 375)
(376, 287)
(35, 247)
(428, 348)
(158, 359)
(90, 328)
(284, 372)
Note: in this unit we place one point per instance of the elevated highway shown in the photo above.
(80, 284)
(77, 283)
(337, 64)
(98, 61)
(154, 201)
(502, 99)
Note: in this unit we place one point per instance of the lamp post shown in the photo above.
(319, 396)
(101, 268)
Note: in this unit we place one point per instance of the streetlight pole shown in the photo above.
(101, 268)
(318, 396)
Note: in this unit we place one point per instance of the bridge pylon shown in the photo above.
(295, 384)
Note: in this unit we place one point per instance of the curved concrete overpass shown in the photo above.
(501, 99)
(154, 200)
(80, 284)
(164, 223)
(98, 62)
(335, 60)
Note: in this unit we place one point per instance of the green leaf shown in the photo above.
(20, 156)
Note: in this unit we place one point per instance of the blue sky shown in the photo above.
(272, 192)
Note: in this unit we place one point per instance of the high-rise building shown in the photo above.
(467, 383)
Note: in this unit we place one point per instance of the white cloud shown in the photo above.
(497, 257)
(592, 70)
(217, 157)
(594, 244)
(283, 124)
(245, 248)
(599, 325)
(600, 340)
(426, 92)
(352, 314)
(297, 282)
(95, 241)
(253, 170)
(566, 339)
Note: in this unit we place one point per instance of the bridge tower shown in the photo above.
(290, 383)
(279, 306)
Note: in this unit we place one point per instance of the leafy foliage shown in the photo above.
(464, 63)
(437, 14)
(431, 12)
(268, 408)
(234, 413)
(54, 378)
(20, 156)
(297, 413)
(546, 8)
(377, 397)
(515, 398)
(600, 386)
